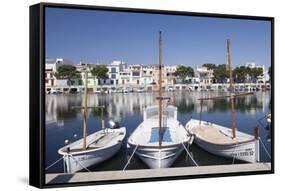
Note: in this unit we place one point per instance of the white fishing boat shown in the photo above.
(224, 141)
(159, 151)
(218, 140)
(160, 138)
(94, 148)
(100, 146)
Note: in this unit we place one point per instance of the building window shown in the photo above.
(113, 76)
(136, 73)
(80, 82)
(113, 70)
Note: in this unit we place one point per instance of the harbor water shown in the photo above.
(63, 121)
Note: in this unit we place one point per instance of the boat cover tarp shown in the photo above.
(154, 136)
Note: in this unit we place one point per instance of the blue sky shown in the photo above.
(101, 36)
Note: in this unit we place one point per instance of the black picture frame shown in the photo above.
(37, 93)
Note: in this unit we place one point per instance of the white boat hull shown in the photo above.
(145, 140)
(245, 151)
(159, 158)
(77, 159)
(79, 162)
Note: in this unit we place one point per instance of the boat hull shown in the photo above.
(159, 157)
(247, 152)
(74, 163)
(100, 149)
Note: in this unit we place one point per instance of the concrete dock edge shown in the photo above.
(151, 173)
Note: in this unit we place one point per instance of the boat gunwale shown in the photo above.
(225, 144)
(219, 127)
(157, 146)
(64, 153)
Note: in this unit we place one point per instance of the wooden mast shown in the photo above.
(201, 105)
(85, 107)
(231, 90)
(102, 118)
(160, 89)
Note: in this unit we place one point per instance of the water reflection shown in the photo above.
(60, 107)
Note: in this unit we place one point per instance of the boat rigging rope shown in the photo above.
(233, 153)
(189, 155)
(259, 121)
(79, 163)
(265, 149)
(54, 163)
(128, 162)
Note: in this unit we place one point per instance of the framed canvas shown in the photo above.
(129, 95)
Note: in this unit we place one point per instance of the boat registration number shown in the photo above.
(242, 154)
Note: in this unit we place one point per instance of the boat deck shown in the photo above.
(100, 140)
(104, 139)
(216, 136)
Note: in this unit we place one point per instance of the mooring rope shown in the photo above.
(128, 162)
(265, 149)
(190, 155)
(234, 156)
(80, 163)
(54, 163)
(259, 121)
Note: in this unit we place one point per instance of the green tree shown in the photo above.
(100, 71)
(210, 66)
(254, 73)
(220, 73)
(183, 72)
(67, 72)
(240, 74)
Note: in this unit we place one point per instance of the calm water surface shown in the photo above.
(62, 122)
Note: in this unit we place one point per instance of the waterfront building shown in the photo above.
(114, 70)
(135, 74)
(147, 75)
(137, 77)
(264, 77)
(51, 67)
(204, 77)
(168, 77)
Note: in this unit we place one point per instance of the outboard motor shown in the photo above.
(113, 124)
